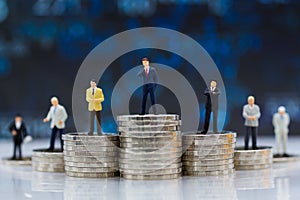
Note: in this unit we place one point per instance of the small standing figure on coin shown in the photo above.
(281, 121)
(251, 113)
(19, 132)
(58, 115)
(149, 75)
(212, 94)
(94, 96)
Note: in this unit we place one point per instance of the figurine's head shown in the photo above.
(251, 100)
(18, 118)
(281, 110)
(93, 83)
(54, 101)
(145, 62)
(213, 83)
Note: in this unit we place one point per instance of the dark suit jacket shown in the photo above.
(21, 133)
(149, 80)
(212, 98)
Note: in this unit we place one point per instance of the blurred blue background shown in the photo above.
(255, 44)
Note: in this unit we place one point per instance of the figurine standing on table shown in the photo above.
(94, 96)
(149, 76)
(281, 121)
(251, 113)
(58, 115)
(19, 132)
(212, 105)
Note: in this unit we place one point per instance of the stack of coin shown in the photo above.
(45, 161)
(260, 158)
(208, 154)
(150, 146)
(91, 156)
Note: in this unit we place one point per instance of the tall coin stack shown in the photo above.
(260, 158)
(91, 156)
(208, 154)
(45, 161)
(151, 146)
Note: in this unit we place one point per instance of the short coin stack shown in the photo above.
(151, 146)
(260, 158)
(208, 154)
(45, 161)
(91, 156)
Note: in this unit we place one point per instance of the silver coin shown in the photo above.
(149, 122)
(192, 157)
(25, 161)
(261, 151)
(210, 173)
(90, 169)
(164, 117)
(151, 145)
(90, 148)
(129, 130)
(209, 148)
(151, 172)
(150, 155)
(291, 158)
(92, 175)
(85, 137)
(48, 169)
(89, 154)
(150, 177)
(207, 162)
(48, 160)
(141, 134)
(151, 160)
(164, 150)
(149, 166)
(151, 139)
(48, 165)
(208, 168)
(92, 165)
(253, 162)
(91, 143)
(252, 167)
(205, 152)
(195, 136)
(45, 153)
(213, 146)
(90, 159)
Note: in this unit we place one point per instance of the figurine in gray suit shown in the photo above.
(251, 113)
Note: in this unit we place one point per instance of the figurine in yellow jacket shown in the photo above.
(94, 96)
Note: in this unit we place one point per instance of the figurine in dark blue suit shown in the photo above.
(149, 76)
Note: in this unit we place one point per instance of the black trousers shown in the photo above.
(250, 130)
(92, 119)
(17, 145)
(146, 90)
(208, 112)
(53, 136)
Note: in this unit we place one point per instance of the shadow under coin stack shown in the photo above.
(209, 154)
(45, 161)
(91, 156)
(151, 146)
(260, 158)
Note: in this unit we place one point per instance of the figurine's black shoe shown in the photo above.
(286, 155)
(277, 155)
(254, 148)
(203, 132)
(99, 134)
(12, 158)
(90, 133)
(49, 150)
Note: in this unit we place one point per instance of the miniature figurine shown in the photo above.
(58, 115)
(251, 113)
(212, 105)
(94, 96)
(19, 132)
(281, 121)
(150, 78)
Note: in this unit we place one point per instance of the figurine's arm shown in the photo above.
(140, 74)
(24, 130)
(257, 116)
(87, 97)
(274, 121)
(64, 115)
(245, 115)
(206, 92)
(49, 115)
(155, 77)
(216, 92)
(100, 97)
(287, 119)
(11, 127)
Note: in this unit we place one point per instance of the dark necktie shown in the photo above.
(93, 92)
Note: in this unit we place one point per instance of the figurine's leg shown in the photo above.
(254, 137)
(61, 132)
(99, 123)
(284, 141)
(278, 139)
(92, 118)
(247, 137)
(15, 148)
(20, 151)
(52, 139)
(152, 96)
(215, 121)
(207, 119)
(145, 94)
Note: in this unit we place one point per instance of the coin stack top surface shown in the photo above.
(260, 158)
(150, 146)
(91, 156)
(208, 154)
(45, 161)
